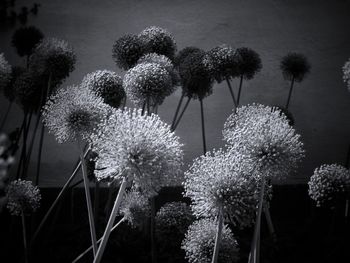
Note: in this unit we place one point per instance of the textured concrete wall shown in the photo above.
(319, 29)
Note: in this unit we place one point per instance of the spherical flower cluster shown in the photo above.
(329, 184)
(127, 50)
(5, 73)
(158, 40)
(23, 197)
(200, 241)
(195, 76)
(221, 61)
(139, 147)
(135, 208)
(222, 181)
(295, 66)
(263, 135)
(346, 73)
(248, 62)
(106, 84)
(173, 218)
(287, 113)
(28, 90)
(148, 82)
(73, 112)
(53, 57)
(25, 39)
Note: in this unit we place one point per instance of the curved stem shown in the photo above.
(181, 114)
(41, 143)
(110, 223)
(231, 92)
(203, 127)
(239, 90)
(98, 241)
(88, 198)
(177, 109)
(290, 93)
(23, 146)
(218, 237)
(3, 121)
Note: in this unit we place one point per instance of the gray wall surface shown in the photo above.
(317, 28)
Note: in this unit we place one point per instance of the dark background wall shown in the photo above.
(317, 28)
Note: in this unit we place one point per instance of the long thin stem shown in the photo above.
(239, 90)
(24, 238)
(4, 119)
(181, 114)
(231, 92)
(124, 103)
(177, 109)
(96, 200)
(22, 157)
(143, 108)
(98, 241)
(254, 252)
(269, 222)
(203, 127)
(153, 241)
(290, 93)
(109, 200)
(110, 223)
(58, 198)
(88, 199)
(218, 237)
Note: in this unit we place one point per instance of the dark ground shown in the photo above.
(304, 233)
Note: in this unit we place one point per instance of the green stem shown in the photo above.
(203, 127)
(290, 93)
(218, 237)
(110, 223)
(181, 114)
(98, 241)
(231, 92)
(88, 198)
(177, 109)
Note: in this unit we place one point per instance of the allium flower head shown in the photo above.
(263, 135)
(183, 53)
(200, 241)
(53, 56)
(135, 208)
(221, 180)
(221, 61)
(139, 147)
(148, 81)
(295, 66)
(195, 76)
(158, 40)
(73, 112)
(5, 73)
(23, 197)
(346, 73)
(127, 50)
(106, 84)
(329, 184)
(25, 39)
(166, 63)
(173, 218)
(248, 62)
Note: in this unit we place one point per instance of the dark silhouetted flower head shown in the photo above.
(195, 76)
(106, 84)
(295, 66)
(182, 55)
(25, 39)
(127, 50)
(158, 40)
(248, 62)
